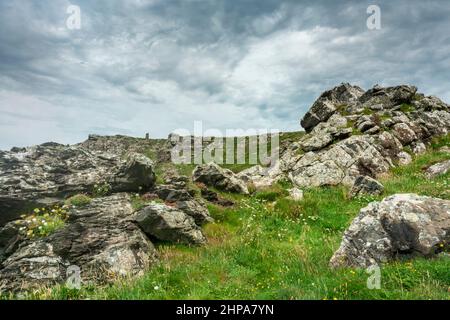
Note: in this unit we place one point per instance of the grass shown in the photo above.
(269, 247)
(79, 200)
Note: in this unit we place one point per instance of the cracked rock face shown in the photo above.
(214, 176)
(45, 174)
(366, 185)
(401, 226)
(327, 103)
(100, 238)
(169, 224)
(438, 169)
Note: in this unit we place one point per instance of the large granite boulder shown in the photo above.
(401, 226)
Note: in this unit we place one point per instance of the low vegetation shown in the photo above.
(42, 222)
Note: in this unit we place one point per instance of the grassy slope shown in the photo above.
(264, 249)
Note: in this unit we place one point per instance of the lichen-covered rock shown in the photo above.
(366, 185)
(404, 133)
(169, 224)
(388, 97)
(100, 238)
(261, 177)
(34, 266)
(324, 107)
(213, 175)
(46, 174)
(400, 226)
(295, 194)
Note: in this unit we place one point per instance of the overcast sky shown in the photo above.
(154, 66)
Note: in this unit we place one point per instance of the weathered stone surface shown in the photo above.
(213, 197)
(172, 194)
(438, 169)
(196, 209)
(327, 103)
(213, 175)
(404, 133)
(169, 224)
(341, 163)
(100, 238)
(261, 177)
(388, 97)
(10, 238)
(404, 158)
(45, 174)
(32, 267)
(366, 185)
(400, 226)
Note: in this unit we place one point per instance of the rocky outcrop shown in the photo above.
(100, 238)
(438, 169)
(399, 227)
(223, 179)
(353, 133)
(328, 103)
(48, 173)
(366, 185)
(169, 224)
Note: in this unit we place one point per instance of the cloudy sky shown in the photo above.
(139, 66)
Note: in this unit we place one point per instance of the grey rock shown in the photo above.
(172, 194)
(100, 238)
(295, 194)
(340, 164)
(366, 185)
(327, 103)
(438, 169)
(404, 158)
(46, 174)
(401, 226)
(196, 209)
(418, 148)
(214, 176)
(389, 96)
(262, 177)
(404, 133)
(169, 224)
